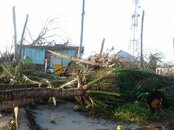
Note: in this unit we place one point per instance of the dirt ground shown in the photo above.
(67, 119)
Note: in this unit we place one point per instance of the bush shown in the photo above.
(132, 112)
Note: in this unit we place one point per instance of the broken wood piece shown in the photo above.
(69, 84)
(88, 85)
(76, 59)
(16, 113)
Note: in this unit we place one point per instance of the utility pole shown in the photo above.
(141, 50)
(22, 37)
(173, 46)
(81, 34)
(15, 32)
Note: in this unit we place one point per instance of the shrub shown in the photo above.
(132, 112)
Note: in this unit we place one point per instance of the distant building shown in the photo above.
(125, 56)
(39, 54)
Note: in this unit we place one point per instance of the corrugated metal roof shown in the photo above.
(126, 56)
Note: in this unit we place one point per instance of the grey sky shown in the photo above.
(109, 19)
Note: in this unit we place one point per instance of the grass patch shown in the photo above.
(132, 112)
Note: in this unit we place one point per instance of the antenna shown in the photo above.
(134, 43)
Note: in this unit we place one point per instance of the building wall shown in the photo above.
(64, 62)
(36, 54)
(165, 71)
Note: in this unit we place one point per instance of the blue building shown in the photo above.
(39, 54)
(126, 56)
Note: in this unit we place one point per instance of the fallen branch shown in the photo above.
(88, 85)
(76, 59)
(23, 96)
(69, 84)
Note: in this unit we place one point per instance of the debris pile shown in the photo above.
(99, 85)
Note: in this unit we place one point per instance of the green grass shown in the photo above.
(132, 112)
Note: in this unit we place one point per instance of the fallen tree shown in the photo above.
(77, 59)
(18, 97)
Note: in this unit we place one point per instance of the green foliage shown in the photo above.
(41, 75)
(154, 59)
(132, 82)
(162, 115)
(124, 85)
(25, 62)
(169, 94)
(15, 73)
(132, 112)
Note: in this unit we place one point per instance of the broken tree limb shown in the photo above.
(76, 59)
(69, 84)
(88, 85)
(16, 111)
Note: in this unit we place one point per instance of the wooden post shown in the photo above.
(173, 46)
(15, 32)
(102, 46)
(22, 37)
(82, 24)
(142, 25)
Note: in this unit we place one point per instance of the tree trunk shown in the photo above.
(76, 59)
(18, 97)
(4, 87)
(10, 95)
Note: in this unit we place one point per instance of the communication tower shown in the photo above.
(135, 35)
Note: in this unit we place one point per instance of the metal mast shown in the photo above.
(134, 43)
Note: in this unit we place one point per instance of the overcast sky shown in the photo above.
(109, 19)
